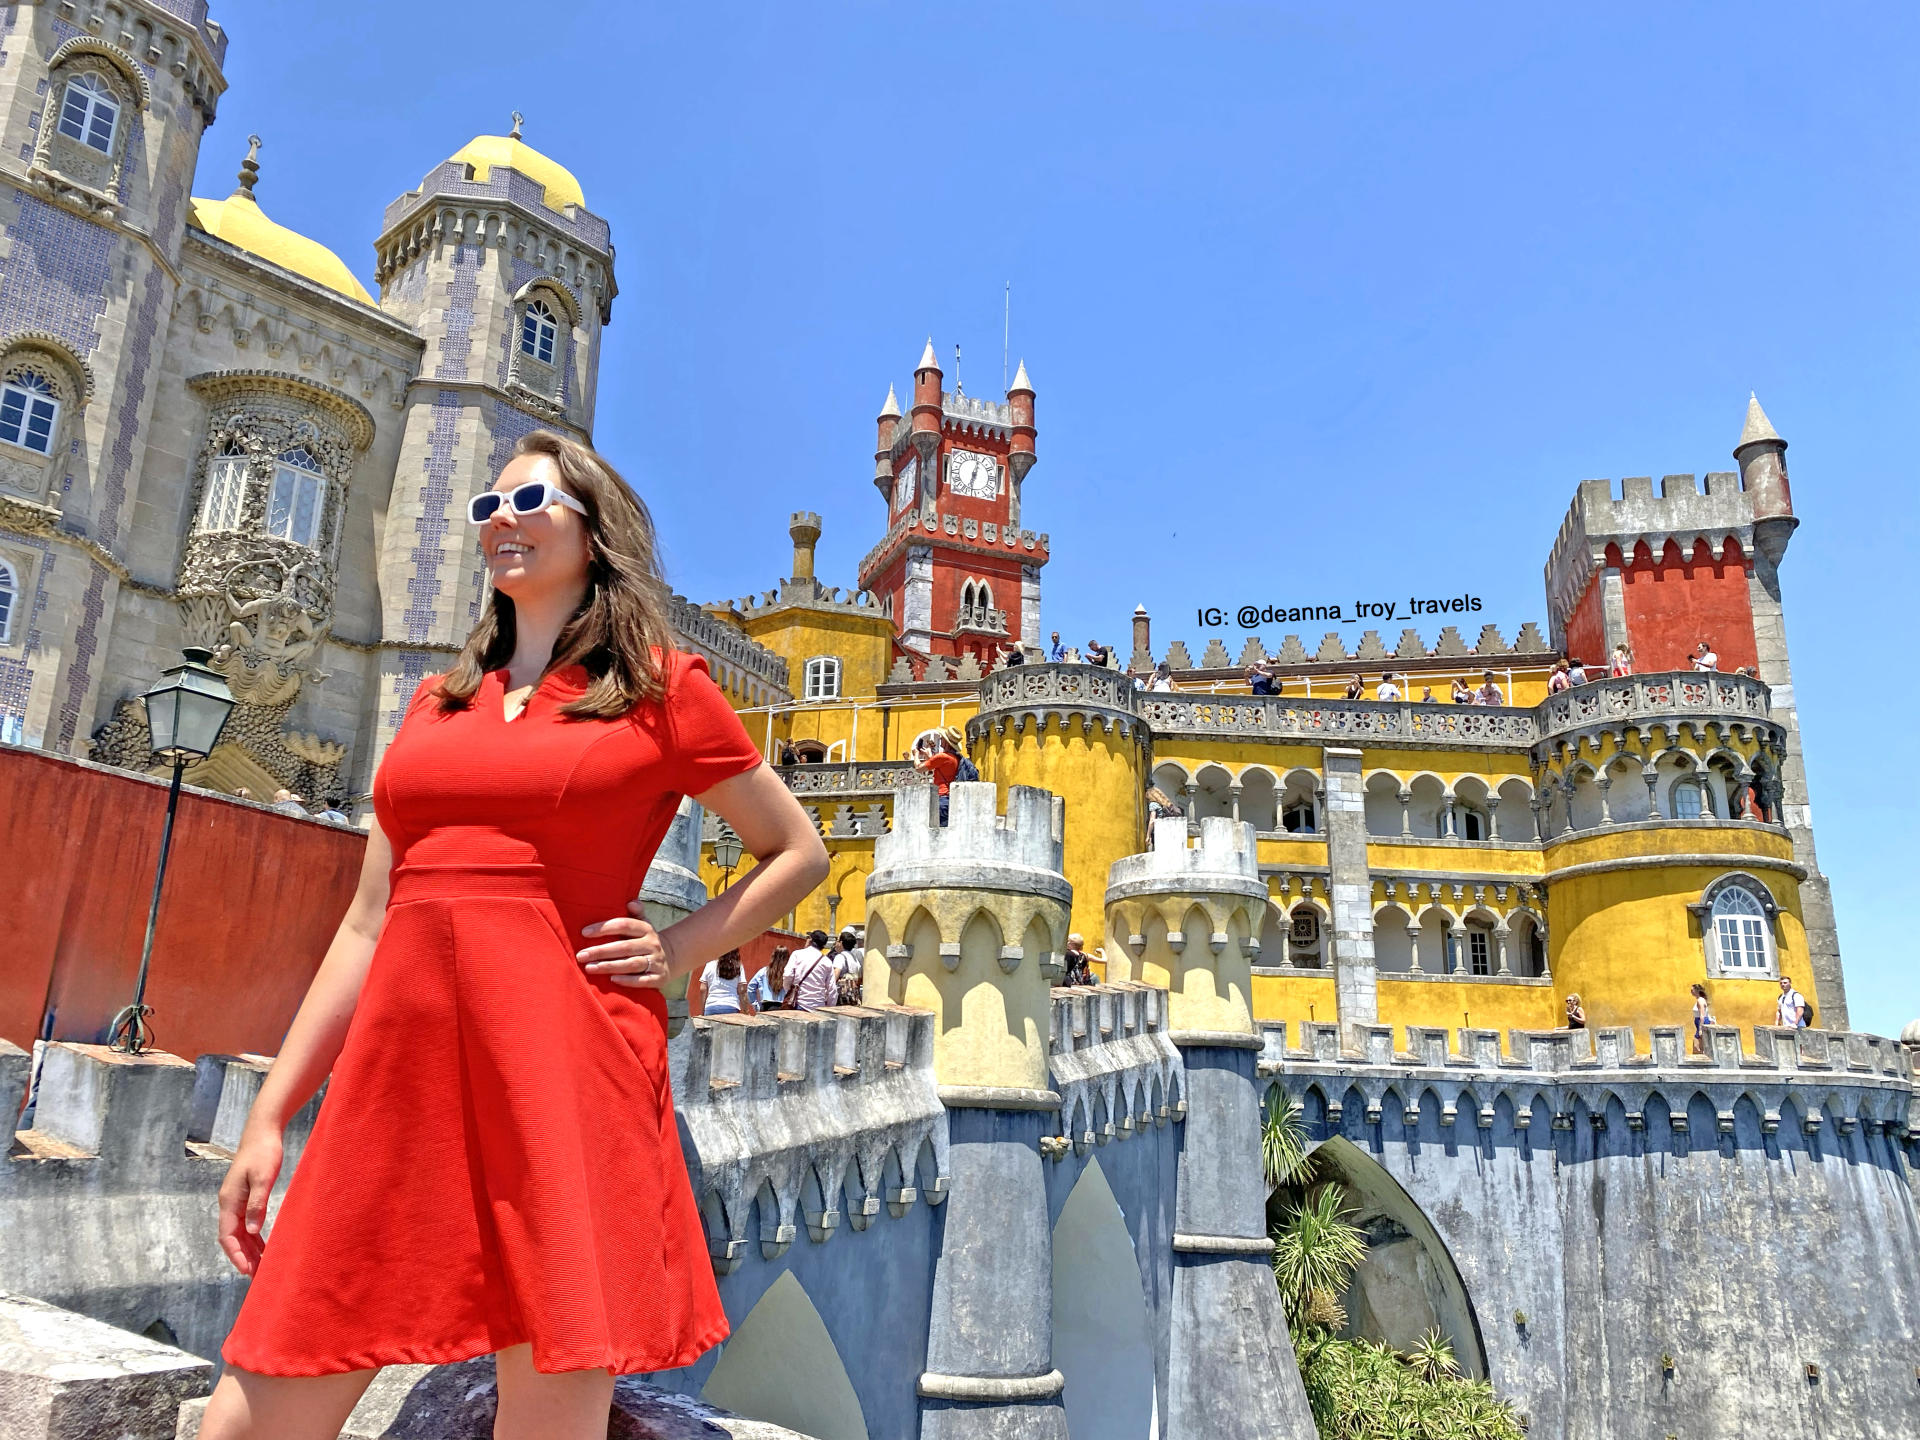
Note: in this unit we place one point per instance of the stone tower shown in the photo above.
(496, 262)
(103, 105)
(1701, 562)
(1189, 918)
(955, 570)
(971, 919)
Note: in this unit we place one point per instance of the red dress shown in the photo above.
(497, 1160)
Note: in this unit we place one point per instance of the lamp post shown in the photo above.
(726, 853)
(185, 713)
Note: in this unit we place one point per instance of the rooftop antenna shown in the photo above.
(518, 121)
(958, 388)
(1006, 335)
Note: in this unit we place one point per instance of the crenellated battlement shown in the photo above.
(809, 1117)
(1113, 1063)
(1222, 859)
(978, 848)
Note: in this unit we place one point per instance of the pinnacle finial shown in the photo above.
(1020, 380)
(890, 410)
(928, 360)
(518, 121)
(250, 168)
(1758, 426)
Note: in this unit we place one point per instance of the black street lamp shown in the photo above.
(726, 853)
(185, 713)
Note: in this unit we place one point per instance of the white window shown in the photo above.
(28, 412)
(295, 504)
(1473, 825)
(89, 113)
(1297, 818)
(1740, 932)
(1477, 952)
(9, 594)
(538, 332)
(226, 490)
(1690, 801)
(822, 678)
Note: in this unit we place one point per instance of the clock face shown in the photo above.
(973, 474)
(904, 482)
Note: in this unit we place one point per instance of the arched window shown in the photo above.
(1297, 818)
(9, 593)
(1473, 826)
(298, 498)
(29, 410)
(226, 490)
(1690, 801)
(1742, 939)
(89, 113)
(538, 332)
(822, 678)
(966, 603)
(1479, 950)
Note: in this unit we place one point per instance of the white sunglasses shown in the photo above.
(533, 496)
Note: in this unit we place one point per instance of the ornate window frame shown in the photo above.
(22, 562)
(25, 471)
(1707, 910)
(820, 678)
(76, 163)
(541, 382)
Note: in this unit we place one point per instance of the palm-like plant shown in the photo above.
(1316, 1249)
(1283, 1141)
(1432, 1355)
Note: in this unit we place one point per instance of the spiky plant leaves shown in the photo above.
(1432, 1355)
(1315, 1247)
(1283, 1140)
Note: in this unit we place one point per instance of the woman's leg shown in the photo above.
(570, 1405)
(246, 1406)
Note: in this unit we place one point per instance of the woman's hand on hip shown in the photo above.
(243, 1196)
(631, 951)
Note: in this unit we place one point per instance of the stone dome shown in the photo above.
(1911, 1035)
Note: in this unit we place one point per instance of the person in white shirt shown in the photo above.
(720, 985)
(1704, 657)
(811, 980)
(1386, 689)
(1792, 1009)
(1488, 693)
(849, 962)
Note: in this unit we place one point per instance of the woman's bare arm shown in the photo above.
(791, 862)
(306, 1057)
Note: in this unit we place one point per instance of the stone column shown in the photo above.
(970, 919)
(672, 891)
(1187, 915)
(1350, 888)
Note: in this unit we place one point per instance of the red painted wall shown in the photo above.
(1587, 626)
(1677, 601)
(251, 902)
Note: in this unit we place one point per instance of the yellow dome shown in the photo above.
(483, 152)
(240, 222)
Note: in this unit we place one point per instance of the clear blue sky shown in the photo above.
(1319, 303)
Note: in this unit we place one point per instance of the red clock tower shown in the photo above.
(955, 571)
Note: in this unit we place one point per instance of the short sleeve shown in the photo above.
(707, 742)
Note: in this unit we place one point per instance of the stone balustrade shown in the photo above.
(859, 777)
(1114, 1065)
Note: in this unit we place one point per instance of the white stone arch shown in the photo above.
(1426, 810)
(1583, 795)
(1301, 794)
(1273, 934)
(1381, 794)
(1308, 925)
(1102, 1331)
(1627, 799)
(1437, 924)
(1260, 798)
(781, 1366)
(1479, 921)
(1393, 950)
(1513, 810)
(125, 68)
(1212, 794)
(1526, 942)
(1736, 909)
(1472, 808)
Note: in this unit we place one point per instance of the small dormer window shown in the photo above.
(89, 113)
(295, 504)
(538, 332)
(822, 678)
(29, 410)
(226, 490)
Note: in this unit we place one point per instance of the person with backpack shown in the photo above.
(955, 743)
(1794, 1012)
(849, 962)
(768, 988)
(810, 975)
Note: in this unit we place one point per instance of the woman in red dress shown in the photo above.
(496, 1168)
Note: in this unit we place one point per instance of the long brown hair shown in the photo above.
(621, 632)
(777, 970)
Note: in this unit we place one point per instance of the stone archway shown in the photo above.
(1408, 1283)
(1102, 1338)
(780, 1365)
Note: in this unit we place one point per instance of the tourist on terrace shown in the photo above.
(1356, 687)
(1622, 661)
(1461, 694)
(720, 986)
(1704, 657)
(1792, 1009)
(288, 803)
(1560, 680)
(1098, 654)
(1702, 1017)
(1057, 652)
(1386, 689)
(1576, 1013)
(1260, 679)
(1012, 655)
(1576, 671)
(932, 756)
(1162, 677)
(1489, 692)
(1079, 968)
(811, 984)
(1162, 806)
(499, 1171)
(1426, 695)
(768, 988)
(849, 964)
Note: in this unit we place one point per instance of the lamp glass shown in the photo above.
(726, 850)
(188, 709)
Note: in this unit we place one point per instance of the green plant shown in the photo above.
(1283, 1140)
(1358, 1390)
(1316, 1249)
(1432, 1355)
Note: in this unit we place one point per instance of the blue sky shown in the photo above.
(1320, 303)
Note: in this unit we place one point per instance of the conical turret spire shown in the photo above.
(249, 168)
(928, 360)
(1758, 427)
(1020, 381)
(890, 410)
